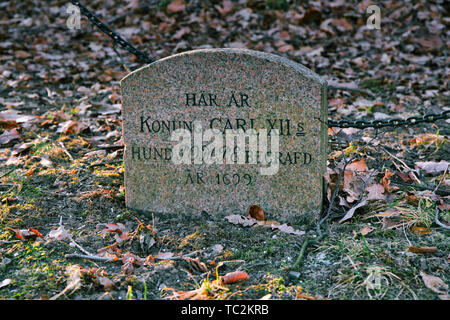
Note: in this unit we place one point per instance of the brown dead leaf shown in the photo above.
(358, 165)
(256, 212)
(72, 127)
(420, 230)
(342, 25)
(386, 180)
(27, 234)
(235, 276)
(365, 230)
(107, 284)
(406, 177)
(176, 6)
(8, 136)
(351, 212)
(422, 250)
(226, 7)
(286, 48)
(375, 192)
(434, 283)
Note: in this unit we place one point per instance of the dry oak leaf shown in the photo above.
(434, 283)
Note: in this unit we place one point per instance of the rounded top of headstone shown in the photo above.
(228, 52)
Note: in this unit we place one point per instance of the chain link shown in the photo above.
(115, 36)
(360, 124)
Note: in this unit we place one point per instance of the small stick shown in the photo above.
(73, 241)
(90, 257)
(63, 147)
(443, 177)
(301, 254)
(403, 163)
(8, 241)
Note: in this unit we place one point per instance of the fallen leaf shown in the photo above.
(27, 234)
(164, 255)
(8, 136)
(176, 6)
(5, 282)
(72, 127)
(358, 165)
(256, 212)
(226, 7)
(386, 180)
(432, 167)
(434, 283)
(422, 250)
(58, 234)
(420, 230)
(351, 212)
(286, 48)
(235, 276)
(375, 192)
(107, 284)
(365, 230)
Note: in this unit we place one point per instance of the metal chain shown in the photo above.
(360, 124)
(116, 37)
(331, 123)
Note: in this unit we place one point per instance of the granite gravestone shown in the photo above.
(225, 89)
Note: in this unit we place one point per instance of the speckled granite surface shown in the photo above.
(225, 88)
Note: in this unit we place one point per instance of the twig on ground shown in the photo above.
(63, 147)
(73, 241)
(9, 241)
(89, 257)
(301, 254)
(442, 179)
(403, 163)
(193, 253)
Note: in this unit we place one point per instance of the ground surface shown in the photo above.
(60, 156)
